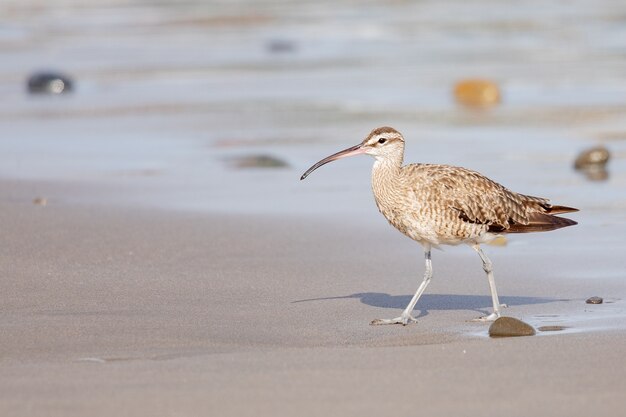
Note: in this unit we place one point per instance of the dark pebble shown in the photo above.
(594, 300)
(510, 327)
(597, 157)
(281, 46)
(49, 83)
(259, 161)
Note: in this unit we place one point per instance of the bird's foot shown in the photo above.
(403, 320)
(490, 317)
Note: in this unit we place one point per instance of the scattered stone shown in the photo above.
(596, 156)
(281, 46)
(40, 201)
(594, 300)
(477, 93)
(259, 161)
(551, 328)
(49, 83)
(592, 162)
(510, 327)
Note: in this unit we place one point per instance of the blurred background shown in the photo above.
(221, 105)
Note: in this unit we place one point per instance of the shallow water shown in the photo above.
(168, 92)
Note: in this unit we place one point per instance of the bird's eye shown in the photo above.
(382, 140)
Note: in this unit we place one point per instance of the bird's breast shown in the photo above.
(421, 216)
(403, 210)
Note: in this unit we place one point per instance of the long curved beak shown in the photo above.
(355, 150)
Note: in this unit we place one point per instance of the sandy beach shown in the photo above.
(147, 312)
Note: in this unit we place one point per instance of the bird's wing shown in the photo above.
(476, 198)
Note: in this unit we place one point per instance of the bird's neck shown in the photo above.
(386, 166)
(385, 179)
(389, 164)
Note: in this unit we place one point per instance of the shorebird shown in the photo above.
(446, 205)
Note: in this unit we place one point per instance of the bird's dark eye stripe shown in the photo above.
(382, 140)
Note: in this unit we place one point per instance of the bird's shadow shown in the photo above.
(427, 302)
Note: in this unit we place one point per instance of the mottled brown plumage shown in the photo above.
(445, 204)
(441, 204)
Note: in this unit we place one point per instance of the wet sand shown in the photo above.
(115, 310)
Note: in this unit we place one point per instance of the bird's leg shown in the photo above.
(492, 286)
(406, 317)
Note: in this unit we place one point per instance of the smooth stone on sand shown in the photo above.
(510, 327)
(259, 161)
(597, 156)
(594, 300)
(477, 93)
(49, 83)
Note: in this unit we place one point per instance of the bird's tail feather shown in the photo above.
(542, 222)
(560, 209)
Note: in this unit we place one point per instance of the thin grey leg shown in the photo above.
(406, 317)
(487, 267)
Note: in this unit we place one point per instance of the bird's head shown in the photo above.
(383, 143)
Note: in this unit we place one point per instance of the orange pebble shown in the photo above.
(477, 93)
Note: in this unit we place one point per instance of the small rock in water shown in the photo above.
(551, 328)
(596, 156)
(594, 300)
(477, 93)
(281, 46)
(510, 327)
(49, 83)
(40, 201)
(592, 162)
(259, 161)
